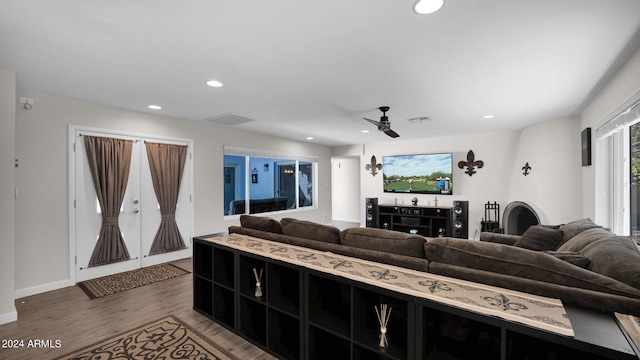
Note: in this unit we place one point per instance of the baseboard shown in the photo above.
(8, 317)
(34, 290)
(346, 220)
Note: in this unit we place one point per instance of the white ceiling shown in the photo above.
(315, 67)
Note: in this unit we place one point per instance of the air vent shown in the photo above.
(420, 119)
(228, 119)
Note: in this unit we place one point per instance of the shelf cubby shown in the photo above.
(449, 336)
(223, 305)
(326, 345)
(203, 295)
(202, 260)
(330, 304)
(361, 353)
(253, 320)
(525, 347)
(247, 277)
(284, 334)
(223, 265)
(284, 288)
(366, 328)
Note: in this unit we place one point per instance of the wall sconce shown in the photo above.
(265, 168)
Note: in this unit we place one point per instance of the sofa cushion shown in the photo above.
(507, 239)
(310, 230)
(580, 241)
(393, 242)
(571, 257)
(574, 228)
(616, 257)
(569, 295)
(260, 223)
(539, 238)
(510, 260)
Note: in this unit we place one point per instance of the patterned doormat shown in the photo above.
(167, 338)
(112, 284)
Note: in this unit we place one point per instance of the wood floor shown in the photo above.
(69, 316)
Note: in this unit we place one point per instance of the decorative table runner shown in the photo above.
(536, 311)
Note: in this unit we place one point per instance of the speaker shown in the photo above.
(460, 219)
(371, 212)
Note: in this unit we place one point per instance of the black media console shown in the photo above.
(426, 221)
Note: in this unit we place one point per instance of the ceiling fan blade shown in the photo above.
(376, 123)
(391, 133)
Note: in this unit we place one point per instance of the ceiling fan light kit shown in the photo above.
(424, 7)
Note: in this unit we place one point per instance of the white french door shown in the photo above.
(139, 215)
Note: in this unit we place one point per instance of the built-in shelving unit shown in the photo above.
(344, 314)
(310, 314)
(427, 221)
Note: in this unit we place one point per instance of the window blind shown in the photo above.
(242, 151)
(621, 116)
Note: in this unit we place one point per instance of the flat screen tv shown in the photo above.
(420, 174)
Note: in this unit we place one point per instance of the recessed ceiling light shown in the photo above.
(155, 107)
(214, 83)
(309, 137)
(424, 7)
(488, 116)
(365, 131)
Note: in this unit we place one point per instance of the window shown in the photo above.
(257, 181)
(618, 170)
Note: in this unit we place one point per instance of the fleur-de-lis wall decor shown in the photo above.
(525, 169)
(374, 167)
(471, 163)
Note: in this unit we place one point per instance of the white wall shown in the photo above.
(42, 234)
(552, 149)
(7, 196)
(553, 186)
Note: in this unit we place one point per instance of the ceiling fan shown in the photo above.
(384, 125)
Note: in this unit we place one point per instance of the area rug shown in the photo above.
(112, 284)
(167, 338)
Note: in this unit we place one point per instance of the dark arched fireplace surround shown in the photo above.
(518, 217)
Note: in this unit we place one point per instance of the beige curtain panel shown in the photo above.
(109, 161)
(166, 162)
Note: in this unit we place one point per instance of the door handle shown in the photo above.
(135, 211)
(135, 201)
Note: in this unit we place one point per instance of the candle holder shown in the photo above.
(258, 292)
(383, 319)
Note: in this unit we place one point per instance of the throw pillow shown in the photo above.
(574, 228)
(580, 241)
(616, 257)
(539, 238)
(571, 257)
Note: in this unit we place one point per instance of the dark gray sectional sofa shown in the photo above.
(579, 262)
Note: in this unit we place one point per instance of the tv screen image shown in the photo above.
(421, 174)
